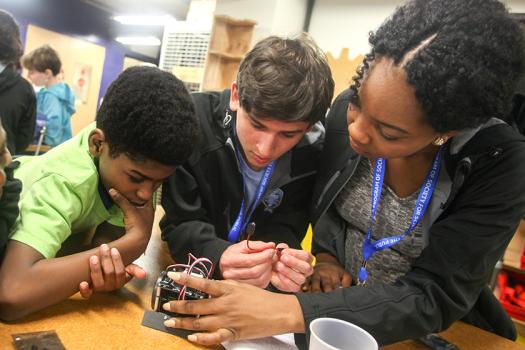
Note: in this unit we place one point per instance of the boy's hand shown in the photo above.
(252, 265)
(291, 268)
(108, 273)
(327, 276)
(137, 220)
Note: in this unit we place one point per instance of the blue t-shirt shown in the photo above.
(251, 179)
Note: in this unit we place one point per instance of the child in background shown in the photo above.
(55, 101)
(144, 128)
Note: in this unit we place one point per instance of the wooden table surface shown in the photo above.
(112, 320)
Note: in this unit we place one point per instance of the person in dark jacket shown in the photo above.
(420, 188)
(254, 167)
(17, 98)
(10, 189)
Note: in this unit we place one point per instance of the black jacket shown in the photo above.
(202, 198)
(8, 206)
(469, 226)
(17, 109)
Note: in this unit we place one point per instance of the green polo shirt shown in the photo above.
(60, 196)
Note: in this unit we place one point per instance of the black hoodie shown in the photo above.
(17, 109)
(8, 206)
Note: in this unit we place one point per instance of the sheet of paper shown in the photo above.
(277, 342)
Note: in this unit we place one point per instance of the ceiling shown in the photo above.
(177, 8)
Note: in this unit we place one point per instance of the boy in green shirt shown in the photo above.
(104, 179)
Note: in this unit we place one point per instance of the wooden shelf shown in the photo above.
(226, 55)
(230, 39)
(234, 21)
(512, 268)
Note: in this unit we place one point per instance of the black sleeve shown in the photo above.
(26, 124)
(289, 222)
(452, 271)
(186, 227)
(8, 205)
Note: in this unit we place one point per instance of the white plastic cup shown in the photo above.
(333, 334)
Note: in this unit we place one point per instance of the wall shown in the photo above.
(517, 6)
(353, 20)
(274, 17)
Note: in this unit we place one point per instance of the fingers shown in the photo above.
(118, 265)
(107, 272)
(109, 278)
(293, 268)
(258, 271)
(346, 281)
(299, 261)
(329, 283)
(306, 287)
(232, 259)
(84, 290)
(213, 338)
(292, 279)
(315, 283)
(299, 254)
(212, 287)
(97, 278)
(283, 283)
(257, 246)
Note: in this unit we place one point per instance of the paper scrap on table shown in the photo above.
(277, 342)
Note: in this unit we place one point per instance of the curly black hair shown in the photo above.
(10, 45)
(148, 114)
(463, 57)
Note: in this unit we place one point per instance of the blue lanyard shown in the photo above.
(423, 199)
(240, 223)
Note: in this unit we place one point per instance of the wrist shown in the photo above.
(294, 319)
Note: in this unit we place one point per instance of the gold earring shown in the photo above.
(439, 141)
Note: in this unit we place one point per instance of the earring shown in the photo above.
(439, 141)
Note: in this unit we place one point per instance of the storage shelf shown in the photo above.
(226, 55)
(229, 41)
(512, 268)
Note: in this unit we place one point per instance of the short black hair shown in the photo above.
(10, 45)
(148, 114)
(463, 57)
(288, 79)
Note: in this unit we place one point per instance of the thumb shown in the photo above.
(135, 271)
(256, 246)
(346, 280)
(120, 200)
(84, 290)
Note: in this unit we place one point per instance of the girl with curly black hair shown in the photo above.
(420, 187)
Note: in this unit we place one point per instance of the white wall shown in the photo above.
(274, 17)
(336, 24)
(515, 5)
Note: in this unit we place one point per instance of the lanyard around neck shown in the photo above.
(423, 199)
(242, 220)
